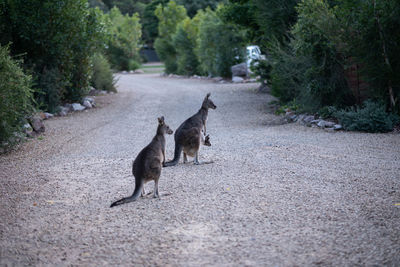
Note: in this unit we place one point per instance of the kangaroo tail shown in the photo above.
(177, 155)
(136, 193)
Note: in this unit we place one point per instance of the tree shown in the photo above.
(124, 44)
(169, 17)
(372, 37)
(185, 42)
(57, 41)
(220, 45)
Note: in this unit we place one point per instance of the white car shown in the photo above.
(253, 52)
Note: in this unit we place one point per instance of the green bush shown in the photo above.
(169, 17)
(124, 44)
(371, 117)
(220, 45)
(185, 42)
(15, 97)
(102, 78)
(133, 65)
(310, 68)
(56, 41)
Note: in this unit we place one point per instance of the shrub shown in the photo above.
(220, 45)
(56, 41)
(15, 96)
(310, 68)
(124, 44)
(168, 19)
(185, 43)
(371, 117)
(102, 78)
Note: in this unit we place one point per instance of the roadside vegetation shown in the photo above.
(320, 54)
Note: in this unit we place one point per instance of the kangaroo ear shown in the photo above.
(208, 95)
(161, 120)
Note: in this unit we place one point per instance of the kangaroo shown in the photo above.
(188, 136)
(148, 163)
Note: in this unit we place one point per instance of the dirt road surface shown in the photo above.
(276, 195)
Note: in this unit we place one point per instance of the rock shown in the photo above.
(131, 71)
(325, 124)
(63, 111)
(124, 72)
(217, 79)
(27, 129)
(308, 119)
(77, 107)
(37, 124)
(329, 129)
(138, 71)
(87, 104)
(240, 70)
(337, 127)
(315, 121)
(236, 79)
(48, 115)
(90, 99)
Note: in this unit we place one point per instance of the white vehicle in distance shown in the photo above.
(253, 53)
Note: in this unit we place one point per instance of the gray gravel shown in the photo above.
(276, 195)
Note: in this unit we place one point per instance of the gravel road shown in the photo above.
(276, 195)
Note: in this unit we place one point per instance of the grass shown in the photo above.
(153, 67)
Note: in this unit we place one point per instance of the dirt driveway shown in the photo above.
(275, 195)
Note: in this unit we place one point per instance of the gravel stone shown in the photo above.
(276, 195)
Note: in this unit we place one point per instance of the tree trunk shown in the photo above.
(385, 55)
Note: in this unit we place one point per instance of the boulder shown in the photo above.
(139, 71)
(217, 79)
(87, 104)
(240, 70)
(308, 119)
(48, 115)
(77, 107)
(236, 79)
(37, 124)
(63, 111)
(337, 127)
(325, 124)
(90, 99)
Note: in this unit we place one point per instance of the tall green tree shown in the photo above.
(371, 34)
(57, 41)
(220, 45)
(185, 42)
(124, 44)
(169, 16)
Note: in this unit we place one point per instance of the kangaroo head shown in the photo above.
(207, 141)
(207, 102)
(162, 127)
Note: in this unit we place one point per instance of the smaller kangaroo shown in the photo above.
(148, 163)
(194, 144)
(188, 136)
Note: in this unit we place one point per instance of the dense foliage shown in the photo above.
(15, 96)
(169, 17)
(371, 117)
(102, 78)
(124, 44)
(220, 45)
(56, 41)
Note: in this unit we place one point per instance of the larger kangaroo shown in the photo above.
(188, 136)
(148, 163)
